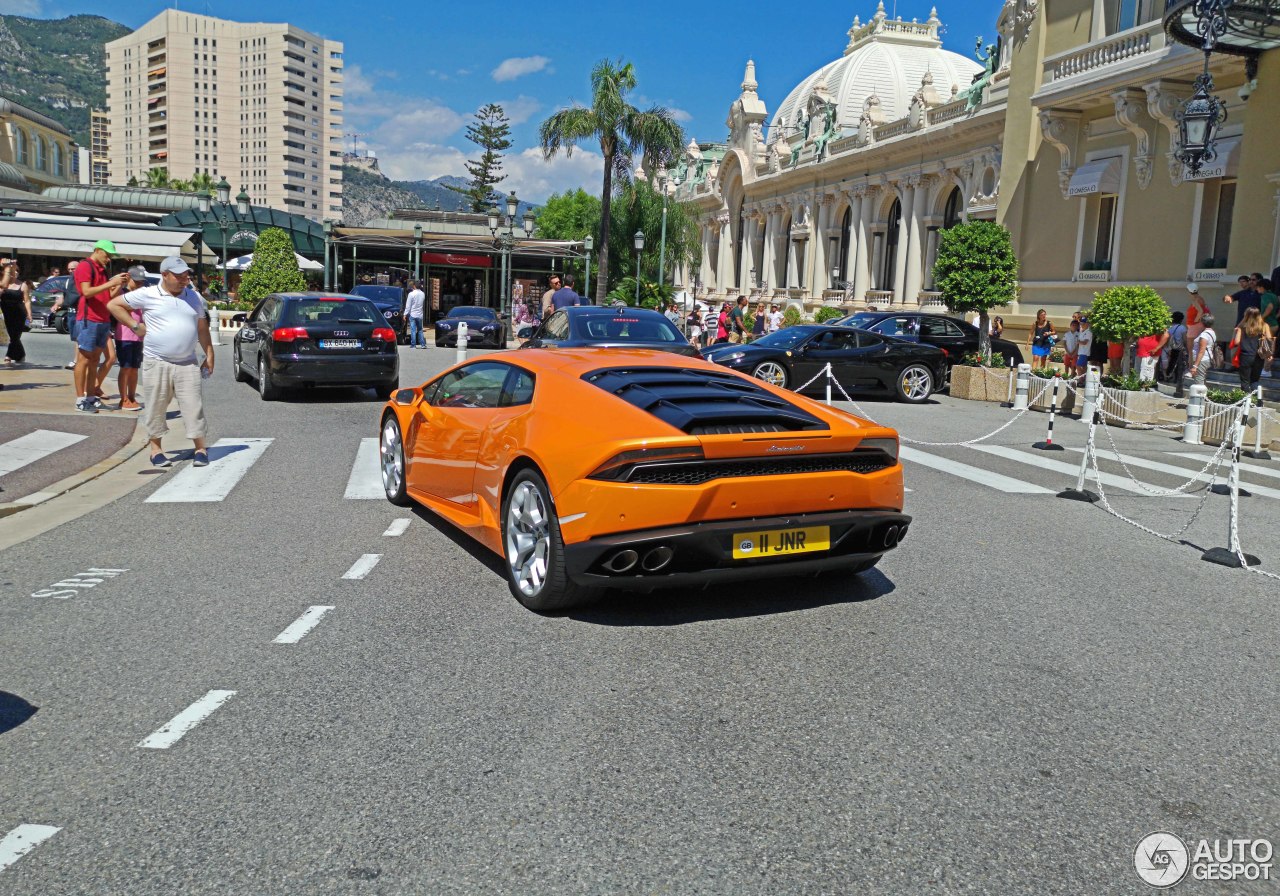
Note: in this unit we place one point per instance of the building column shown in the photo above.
(878, 242)
(931, 256)
(861, 245)
(819, 275)
(704, 269)
(915, 247)
(768, 257)
(724, 259)
(745, 282)
(904, 237)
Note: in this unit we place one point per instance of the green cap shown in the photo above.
(106, 246)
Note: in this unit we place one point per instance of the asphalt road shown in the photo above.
(1015, 697)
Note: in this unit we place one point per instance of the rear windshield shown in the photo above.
(625, 327)
(387, 295)
(312, 311)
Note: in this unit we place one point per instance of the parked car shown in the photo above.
(865, 363)
(390, 302)
(43, 299)
(722, 477)
(315, 339)
(484, 327)
(956, 338)
(586, 325)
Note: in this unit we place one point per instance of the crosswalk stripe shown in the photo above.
(973, 474)
(34, 446)
(1056, 466)
(229, 460)
(1248, 468)
(1181, 472)
(365, 481)
(21, 840)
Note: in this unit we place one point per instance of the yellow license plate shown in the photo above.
(780, 542)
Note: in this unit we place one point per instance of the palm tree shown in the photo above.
(158, 178)
(623, 131)
(203, 182)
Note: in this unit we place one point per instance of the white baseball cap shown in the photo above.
(174, 265)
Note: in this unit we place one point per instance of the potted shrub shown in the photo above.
(1220, 418)
(826, 313)
(791, 316)
(1128, 400)
(1040, 393)
(976, 270)
(1124, 314)
(976, 379)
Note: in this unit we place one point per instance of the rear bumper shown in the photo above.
(702, 553)
(337, 371)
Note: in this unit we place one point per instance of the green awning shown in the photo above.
(242, 232)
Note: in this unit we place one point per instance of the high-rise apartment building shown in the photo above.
(99, 151)
(257, 103)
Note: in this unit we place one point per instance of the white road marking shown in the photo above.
(973, 474)
(303, 624)
(1056, 466)
(1248, 468)
(184, 721)
(396, 529)
(229, 460)
(33, 447)
(21, 840)
(362, 567)
(1182, 473)
(365, 482)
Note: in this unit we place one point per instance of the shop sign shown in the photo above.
(457, 261)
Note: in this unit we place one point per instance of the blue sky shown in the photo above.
(415, 73)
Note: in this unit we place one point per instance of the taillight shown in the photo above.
(615, 466)
(289, 334)
(386, 334)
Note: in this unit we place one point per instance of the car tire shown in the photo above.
(237, 372)
(773, 373)
(267, 388)
(385, 391)
(61, 324)
(391, 461)
(914, 383)
(533, 549)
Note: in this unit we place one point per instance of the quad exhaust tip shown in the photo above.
(657, 558)
(622, 561)
(891, 536)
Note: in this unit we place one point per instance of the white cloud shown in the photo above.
(679, 114)
(519, 66)
(535, 178)
(420, 161)
(29, 8)
(420, 121)
(520, 109)
(355, 84)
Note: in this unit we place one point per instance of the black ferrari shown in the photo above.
(865, 363)
(484, 327)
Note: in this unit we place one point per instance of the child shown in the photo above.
(1070, 345)
(1084, 343)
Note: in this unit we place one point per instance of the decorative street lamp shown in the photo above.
(1198, 123)
(327, 226)
(417, 251)
(752, 275)
(589, 243)
(224, 215)
(505, 239)
(639, 240)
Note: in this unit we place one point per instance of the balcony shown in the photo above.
(1089, 74)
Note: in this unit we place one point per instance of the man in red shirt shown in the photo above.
(93, 321)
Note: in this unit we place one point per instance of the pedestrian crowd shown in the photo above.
(706, 326)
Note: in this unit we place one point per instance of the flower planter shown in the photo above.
(980, 383)
(1040, 395)
(1124, 408)
(1216, 427)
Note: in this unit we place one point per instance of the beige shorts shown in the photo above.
(162, 382)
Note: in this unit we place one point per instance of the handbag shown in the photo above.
(1267, 349)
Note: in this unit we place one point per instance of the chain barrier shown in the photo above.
(1213, 463)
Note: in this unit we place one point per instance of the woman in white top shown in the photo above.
(1202, 350)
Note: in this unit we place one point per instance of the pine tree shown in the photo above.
(492, 133)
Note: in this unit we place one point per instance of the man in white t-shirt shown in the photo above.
(173, 323)
(775, 320)
(414, 306)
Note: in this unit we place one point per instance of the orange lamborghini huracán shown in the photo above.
(597, 468)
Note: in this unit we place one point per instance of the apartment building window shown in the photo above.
(1218, 202)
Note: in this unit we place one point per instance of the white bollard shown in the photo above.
(1092, 385)
(1195, 414)
(1258, 452)
(461, 354)
(829, 375)
(215, 324)
(1024, 385)
(1232, 555)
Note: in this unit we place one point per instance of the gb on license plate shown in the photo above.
(780, 542)
(339, 343)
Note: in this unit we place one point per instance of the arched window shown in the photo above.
(846, 233)
(59, 161)
(891, 246)
(39, 161)
(23, 148)
(951, 216)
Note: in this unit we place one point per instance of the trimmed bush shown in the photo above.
(274, 268)
(976, 270)
(824, 314)
(1127, 313)
(791, 316)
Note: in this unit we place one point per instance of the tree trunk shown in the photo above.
(1125, 366)
(602, 283)
(984, 335)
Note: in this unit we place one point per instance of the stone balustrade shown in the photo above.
(1135, 42)
(949, 111)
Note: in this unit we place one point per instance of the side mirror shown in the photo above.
(239, 318)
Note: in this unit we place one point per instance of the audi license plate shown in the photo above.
(780, 542)
(339, 343)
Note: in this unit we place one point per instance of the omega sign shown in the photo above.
(244, 236)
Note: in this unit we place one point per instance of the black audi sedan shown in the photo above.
(865, 363)
(955, 337)
(610, 327)
(316, 339)
(484, 327)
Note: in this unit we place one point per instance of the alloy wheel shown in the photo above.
(392, 458)
(772, 373)
(528, 538)
(916, 383)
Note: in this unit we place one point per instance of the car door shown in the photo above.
(249, 339)
(833, 347)
(554, 330)
(448, 429)
(858, 361)
(945, 334)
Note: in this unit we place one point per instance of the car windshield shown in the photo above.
(316, 311)
(625, 326)
(786, 338)
(862, 320)
(473, 311)
(387, 295)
